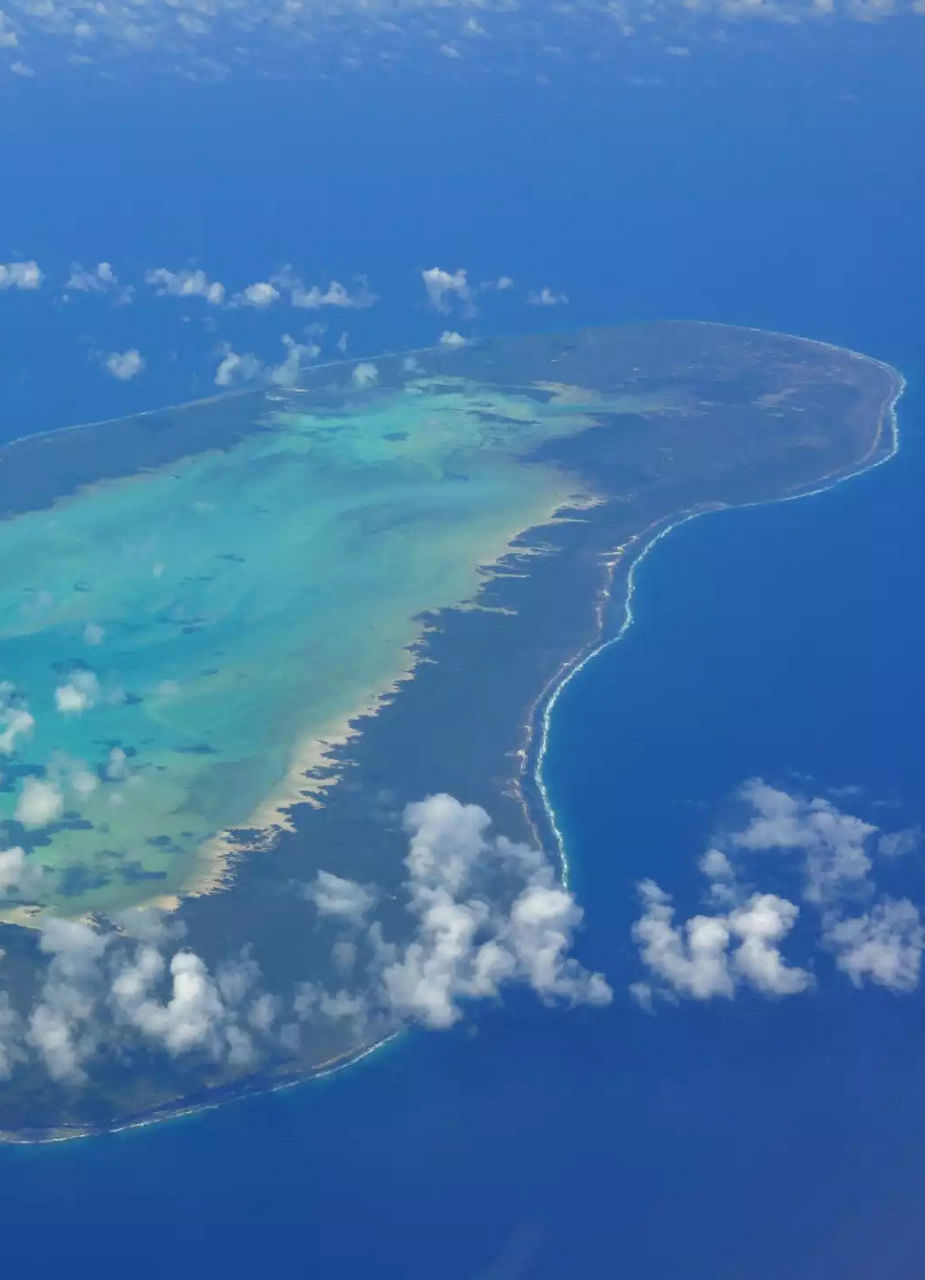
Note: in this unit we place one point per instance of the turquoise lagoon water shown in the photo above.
(185, 637)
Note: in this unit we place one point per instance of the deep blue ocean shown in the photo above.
(779, 187)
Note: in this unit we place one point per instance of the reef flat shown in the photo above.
(237, 638)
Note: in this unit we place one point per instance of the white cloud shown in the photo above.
(465, 948)
(15, 720)
(98, 279)
(546, 298)
(365, 374)
(335, 896)
(8, 36)
(107, 991)
(20, 275)
(894, 844)
(287, 372)
(40, 802)
(17, 875)
(124, 365)
(335, 295)
(79, 694)
(883, 946)
(61, 1027)
(449, 338)
(738, 942)
(94, 634)
(116, 765)
(689, 960)
(834, 844)
(234, 368)
(186, 284)
(11, 1049)
(709, 956)
(259, 295)
(444, 287)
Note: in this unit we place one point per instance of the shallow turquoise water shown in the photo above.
(183, 637)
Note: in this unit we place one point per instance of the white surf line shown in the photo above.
(572, 669)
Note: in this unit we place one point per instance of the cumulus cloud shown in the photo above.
(16, 721)
(830, 854)
(894, 844)
(883, 946)
(287, 372)
(8, 36)
(116, 765)
(124, 365)
(452, 340)
(186, 284)
(20, 275)
(80, 693)
(61, 1026)
(260, 295)
(94, 633)
(711, 955)
(444, 288)
(545, 297)
(233, 368)
(40, 802)
(99, 279)
(335, 896)
(365, 374)
(335, 295)
(483, 912)
(466, 948)
(17, 875)
(835, 845)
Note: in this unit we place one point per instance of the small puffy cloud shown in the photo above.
(192, 1018)
(234, 368)
(15, 720)
(23, 69)
(883, 946)
(40, 802)
(335, 896)
(124, 365)
(286, 373)
(8, 36)
(259, 295)
(835, 845)
(186, 284)
(20, 275)
(94, 634)
(61, 1026)
(16, 873)
(335, 295)
(116, 765)
(502, 285)
(445, 287)
(365, 374)
(78, 694)
(894, 844)
(831, 853)
(546, 298)
(452, 340)
(98, 279)
(710, 955)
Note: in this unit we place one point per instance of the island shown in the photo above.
(253, 646)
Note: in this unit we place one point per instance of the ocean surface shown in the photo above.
(751, 1138)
